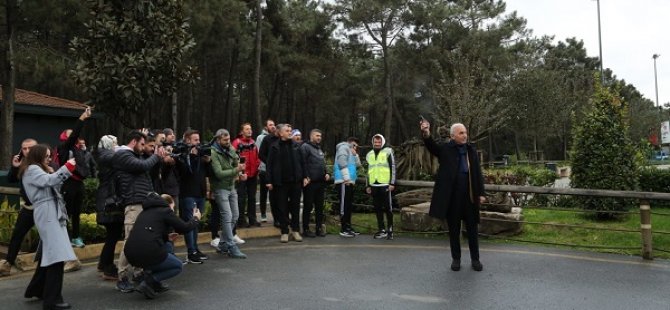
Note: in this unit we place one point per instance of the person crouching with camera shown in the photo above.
(150, 243)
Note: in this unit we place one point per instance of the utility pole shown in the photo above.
(600, 45)
(656, 78)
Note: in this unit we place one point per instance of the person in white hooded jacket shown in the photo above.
(380, 182)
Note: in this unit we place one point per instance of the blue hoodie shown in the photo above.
(346, 164)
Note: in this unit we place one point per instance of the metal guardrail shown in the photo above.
(642, 197)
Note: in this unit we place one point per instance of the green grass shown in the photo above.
(367, 224)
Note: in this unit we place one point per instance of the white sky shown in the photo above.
(632, 31)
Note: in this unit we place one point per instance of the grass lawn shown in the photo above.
(367, 224)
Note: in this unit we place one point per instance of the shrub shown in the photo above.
(655, 180)
(522, 175)
(90, 188)
(603, 156)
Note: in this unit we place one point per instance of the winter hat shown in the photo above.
(107, 142)
(380, 136)
(295, 132)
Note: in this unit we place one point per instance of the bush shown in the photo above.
(522, 176)
(603, 156)
(90, 188)
(655, 180)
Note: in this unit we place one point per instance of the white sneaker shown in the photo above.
(215, 243)
(238, 240)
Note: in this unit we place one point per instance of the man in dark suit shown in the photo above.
(458, 191)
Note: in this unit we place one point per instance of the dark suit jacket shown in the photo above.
(445, 180)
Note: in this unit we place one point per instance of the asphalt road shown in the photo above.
(362, 273)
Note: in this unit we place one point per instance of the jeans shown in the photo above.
(313, 196)
(227, 201)
(169, 268)
(187, 205)
(246, 193)
(24, 222)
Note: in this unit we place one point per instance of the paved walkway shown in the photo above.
(362, 273)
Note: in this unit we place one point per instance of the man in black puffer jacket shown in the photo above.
(134, 185)
(150, 245)
(314, 191)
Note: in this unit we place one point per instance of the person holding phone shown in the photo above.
(73, 189)
(42, 186)
(24, 220)
(246, 148)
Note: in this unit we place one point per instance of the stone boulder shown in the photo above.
(413, 197)
(497, 223)
(416, 218)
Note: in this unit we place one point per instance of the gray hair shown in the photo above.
(107, 142)
(281, 126)
(222, 133)
(452, 130)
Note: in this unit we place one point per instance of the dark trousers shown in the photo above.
(214, 219)
(313, 196)
(288, 203)
(381, 200)
(47, 283)
(262, 180)
(246, 195)
(461, 209)
(24, 222)
(346, 197)
(73, 194)
(114, 233)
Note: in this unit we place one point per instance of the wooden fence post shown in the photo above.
(645, 229)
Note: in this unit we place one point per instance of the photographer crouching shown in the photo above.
(150, 242)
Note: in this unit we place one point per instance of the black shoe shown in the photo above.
(253, 224)
(145, 290)
(477, 265)
(157, 286)
(58, 306)
(194, 258)
(456, 265)
(389, 235)
(308, 233)
(320, 233)
(354, 232)
(125, 286)
(222, 249)
(202, 256)
(347, 234)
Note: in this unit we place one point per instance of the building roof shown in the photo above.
(27, 97)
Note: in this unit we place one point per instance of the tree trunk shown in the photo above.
(174, 110)
(257, 72)
(388, 118)
(8, 88)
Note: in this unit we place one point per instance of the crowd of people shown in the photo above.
(154, 187)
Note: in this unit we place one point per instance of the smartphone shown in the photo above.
(20, 154)
(242, 160)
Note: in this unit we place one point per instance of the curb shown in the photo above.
(26, 262)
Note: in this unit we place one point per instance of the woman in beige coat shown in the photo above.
(42, 187)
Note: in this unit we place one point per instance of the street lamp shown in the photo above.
(656, 78)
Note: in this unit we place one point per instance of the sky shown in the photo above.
(632, 31)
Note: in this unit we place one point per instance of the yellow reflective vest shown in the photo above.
(379, 170)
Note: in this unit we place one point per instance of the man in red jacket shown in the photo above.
(246, 186)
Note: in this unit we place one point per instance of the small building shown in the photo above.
(44, 117)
